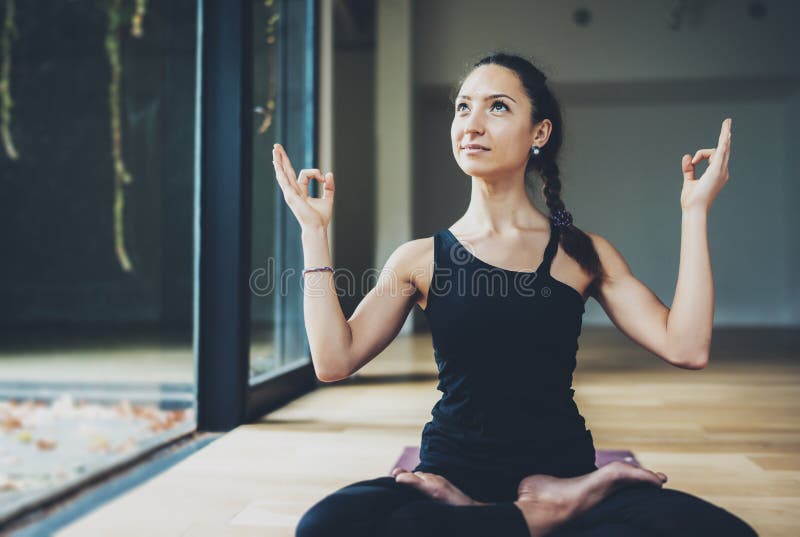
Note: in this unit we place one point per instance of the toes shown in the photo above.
(654, 477)
(408, 478)
(636, 474)
(416, 481)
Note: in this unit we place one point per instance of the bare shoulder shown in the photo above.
(614, 265)
(408, 253)
(412, 259)
(411, 265)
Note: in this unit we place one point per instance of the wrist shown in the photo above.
(694, 211)
(314, 232)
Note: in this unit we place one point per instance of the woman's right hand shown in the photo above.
(311, 213)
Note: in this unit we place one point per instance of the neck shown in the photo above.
(500, 207)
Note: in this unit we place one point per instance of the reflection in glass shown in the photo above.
(281, 95)
(96, 186)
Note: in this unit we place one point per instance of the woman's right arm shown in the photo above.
(340, 347)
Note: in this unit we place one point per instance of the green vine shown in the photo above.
(138, 18)
(269, 108)
(114, 13)
(121, 175)
(6, 103)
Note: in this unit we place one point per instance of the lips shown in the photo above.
(474, 146)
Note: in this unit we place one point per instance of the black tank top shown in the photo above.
(505, 345)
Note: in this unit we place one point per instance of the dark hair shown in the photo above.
(575, 242)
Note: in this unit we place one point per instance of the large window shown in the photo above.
(283, 111)
(108, 342)
(96, 187)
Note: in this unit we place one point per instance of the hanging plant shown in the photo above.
(6, 103)
(138, 18)
(121, 175)
(269, 109)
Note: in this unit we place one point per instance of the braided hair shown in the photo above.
(544, 105)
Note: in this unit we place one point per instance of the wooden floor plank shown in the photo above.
(728, 433)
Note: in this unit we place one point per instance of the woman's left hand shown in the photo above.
(700, 193)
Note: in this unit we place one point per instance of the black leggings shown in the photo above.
(381, 507)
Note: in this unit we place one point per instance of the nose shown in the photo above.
(473, 123)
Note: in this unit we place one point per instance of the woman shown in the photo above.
(507, 452)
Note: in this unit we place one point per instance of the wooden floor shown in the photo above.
(729, 433)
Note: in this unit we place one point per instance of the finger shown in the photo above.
(398, 471)
(289, 190)
(329, 187)
(286, 163)
(726, 143)
(286, 181)
(724, 134)
(726, 155)
(282, 160)
(701, 154)
(305, 176)
(687, 168)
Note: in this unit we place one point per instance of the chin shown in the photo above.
(477, 170)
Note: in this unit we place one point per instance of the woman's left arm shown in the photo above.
(681, 335)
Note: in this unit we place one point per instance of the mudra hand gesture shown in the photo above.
(700, 193)
(310, 212)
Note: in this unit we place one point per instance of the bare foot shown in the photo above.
(435, 486)
(547, 502)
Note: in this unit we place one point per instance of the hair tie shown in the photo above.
(561, 218)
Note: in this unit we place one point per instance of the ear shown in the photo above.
(541, 132)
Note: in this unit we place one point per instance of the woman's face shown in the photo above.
(502, 124)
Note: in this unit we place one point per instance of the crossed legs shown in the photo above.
(423, 504)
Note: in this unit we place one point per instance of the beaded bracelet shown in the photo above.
(317, 269)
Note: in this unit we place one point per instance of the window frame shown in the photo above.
(223, 185)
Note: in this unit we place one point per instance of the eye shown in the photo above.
(501, 103)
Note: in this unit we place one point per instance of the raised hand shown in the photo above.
(700, 193)
(310, 212)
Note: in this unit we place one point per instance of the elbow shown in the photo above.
(326, 378)
(330, 366)
(697, 364)
(694, 362)
(322, 376)
(329, 376)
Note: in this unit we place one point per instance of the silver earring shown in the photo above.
(535, 149)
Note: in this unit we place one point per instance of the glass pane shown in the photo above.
(283, 112)
(96, 187)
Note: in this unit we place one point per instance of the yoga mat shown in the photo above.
(410, 457)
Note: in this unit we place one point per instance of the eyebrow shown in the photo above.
(468, 98)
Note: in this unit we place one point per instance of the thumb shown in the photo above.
(687, 168)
